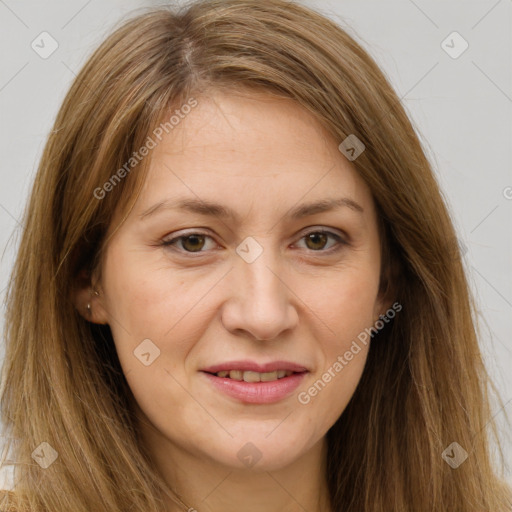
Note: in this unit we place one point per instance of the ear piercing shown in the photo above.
(89, 310)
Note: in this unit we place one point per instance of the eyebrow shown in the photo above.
(209, 208)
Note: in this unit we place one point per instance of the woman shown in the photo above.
(238, 286)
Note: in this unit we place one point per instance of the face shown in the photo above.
(244, 280)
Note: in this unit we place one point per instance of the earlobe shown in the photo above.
(88, 301)
(95, 312)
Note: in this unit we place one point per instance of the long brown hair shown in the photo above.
(424, 385)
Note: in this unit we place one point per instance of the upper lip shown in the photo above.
(251, 366)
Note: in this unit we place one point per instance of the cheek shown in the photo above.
(330, 388)
(143, 300)
(346, 302)
(347, 308)
(157, 314)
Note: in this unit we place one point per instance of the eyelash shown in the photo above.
(169, 243)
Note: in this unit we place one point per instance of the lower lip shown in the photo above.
(257, 392)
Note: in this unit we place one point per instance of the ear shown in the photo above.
(88, 299)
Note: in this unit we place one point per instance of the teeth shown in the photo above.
(265, 377)
(236, 375)
(254, 376)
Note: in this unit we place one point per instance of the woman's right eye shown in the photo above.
(190, 243)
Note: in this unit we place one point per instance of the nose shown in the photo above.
(260, 302)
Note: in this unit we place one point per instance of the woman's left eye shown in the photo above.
(195, 242)
(320, 237)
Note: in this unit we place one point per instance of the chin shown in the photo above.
(259, 453)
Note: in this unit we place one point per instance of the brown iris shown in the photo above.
(317, 238)
(196, 245)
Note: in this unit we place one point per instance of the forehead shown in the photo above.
(261, 158)
(270, 131)
(255, 145)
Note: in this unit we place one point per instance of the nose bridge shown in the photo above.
(258, 267)
(260, 300)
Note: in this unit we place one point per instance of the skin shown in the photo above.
(298, 301)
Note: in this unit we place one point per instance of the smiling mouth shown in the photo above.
(249, 376)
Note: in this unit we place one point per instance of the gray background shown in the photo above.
(461, 108)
